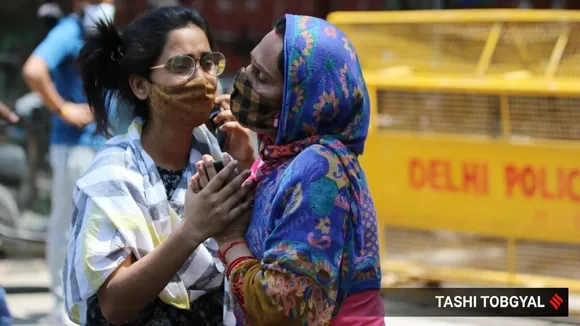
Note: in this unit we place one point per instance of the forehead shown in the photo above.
(267, 51)
(187, 40)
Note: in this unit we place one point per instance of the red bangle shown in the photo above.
(222, 255)
(236, 262)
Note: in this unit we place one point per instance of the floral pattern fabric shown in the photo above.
(313, 229)
(171, 179)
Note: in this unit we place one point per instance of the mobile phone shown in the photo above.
(222, 136)
(218, 166)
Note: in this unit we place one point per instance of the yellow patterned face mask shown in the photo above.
(189, 104)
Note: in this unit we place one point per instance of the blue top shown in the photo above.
(5, 318)
(60, 50)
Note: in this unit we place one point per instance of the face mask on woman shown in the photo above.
(189, 104)
(251, 109)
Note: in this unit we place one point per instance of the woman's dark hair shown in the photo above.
(280, 30)
(108, 58)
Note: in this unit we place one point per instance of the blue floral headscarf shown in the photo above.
(325, 96)
(313, 219)
(325, 93)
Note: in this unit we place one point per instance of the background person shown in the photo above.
(52, 72)
(49, 14)
(5, 317)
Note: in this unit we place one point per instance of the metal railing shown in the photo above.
(473, 156)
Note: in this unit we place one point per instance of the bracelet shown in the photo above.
(236, 262)
(222, 255)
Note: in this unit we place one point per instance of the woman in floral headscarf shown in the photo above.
(310, 255)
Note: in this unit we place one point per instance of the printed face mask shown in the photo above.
(189, 104)
(250, 108)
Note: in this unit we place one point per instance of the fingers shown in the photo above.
(223, 101)
(234, 193)
(209, 167)
(233, 126)
(202, 169)
(195, 184)
(242, 211)
(220, 179)
(224, 116)
(227, 159)
(7, 114)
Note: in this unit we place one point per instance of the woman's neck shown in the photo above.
(167, 144)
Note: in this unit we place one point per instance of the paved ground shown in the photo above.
(28, 309)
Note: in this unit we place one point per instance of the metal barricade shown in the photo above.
(473, 157)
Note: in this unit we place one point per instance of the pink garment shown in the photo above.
(254, 169)
(361, 309)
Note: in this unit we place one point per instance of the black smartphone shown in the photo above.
(222, 136)
(218, 165)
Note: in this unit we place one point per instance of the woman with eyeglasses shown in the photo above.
(141, 251)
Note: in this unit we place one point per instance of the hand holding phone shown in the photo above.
(222, 136)
(202, 177)
(218, 165)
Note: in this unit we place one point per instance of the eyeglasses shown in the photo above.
(184, 66)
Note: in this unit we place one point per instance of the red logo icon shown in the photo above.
(556, 301)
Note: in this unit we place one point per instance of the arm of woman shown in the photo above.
(135, 284)
(298, 280)
(108, 216)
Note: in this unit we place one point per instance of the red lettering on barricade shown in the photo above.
(417, 174)
(562, 191)
(470, 177)
(436, 170)
(538, 182)
(439, 174)
(511, 179)
(448, 178)
(573, 176)
(543, 184)
(528, 180)
(485, 179)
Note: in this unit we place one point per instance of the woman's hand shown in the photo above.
(75, 114)
(240, 144)
(219, 204)
(205, 173)
(196, 183)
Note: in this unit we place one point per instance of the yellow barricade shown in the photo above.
(473, 157)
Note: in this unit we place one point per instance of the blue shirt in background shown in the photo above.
(120, 114)
(5, 318)
(60, 50)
